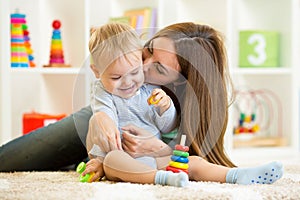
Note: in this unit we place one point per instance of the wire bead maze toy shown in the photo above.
(258, 113)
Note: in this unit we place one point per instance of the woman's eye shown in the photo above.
(158, 68)
(134, 73)
(115, 78)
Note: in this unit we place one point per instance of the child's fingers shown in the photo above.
(156, 96)
(163, 102)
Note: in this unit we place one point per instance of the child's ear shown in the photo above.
(95, 70)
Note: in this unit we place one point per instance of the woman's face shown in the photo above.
(161, 66)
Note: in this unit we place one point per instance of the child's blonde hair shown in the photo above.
(111, 41)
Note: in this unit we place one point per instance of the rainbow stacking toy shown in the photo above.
(28, 45)
(179, 159)
(56, 52)
(21, 52)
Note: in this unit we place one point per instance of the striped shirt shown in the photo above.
(134, 110)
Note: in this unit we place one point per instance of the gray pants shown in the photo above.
(50, 148)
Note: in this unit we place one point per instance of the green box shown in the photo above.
(258, 48)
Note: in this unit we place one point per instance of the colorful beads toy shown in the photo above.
(87, 178)
(179, 159)
(246, 124)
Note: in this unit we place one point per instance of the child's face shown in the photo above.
(124, 76)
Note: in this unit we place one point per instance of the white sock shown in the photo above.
(173, 179)
(264, 174)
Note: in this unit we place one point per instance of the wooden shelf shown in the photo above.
(259, 142)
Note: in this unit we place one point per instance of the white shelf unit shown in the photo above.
(281, 16)
(45, 90)
(77, 16)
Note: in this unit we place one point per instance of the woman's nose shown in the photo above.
(146, 67)
(147, 64)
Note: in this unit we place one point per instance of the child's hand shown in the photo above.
(160, 99)
(105, 132)
(96, 166)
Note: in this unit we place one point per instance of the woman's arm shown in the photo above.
(49, 148)
(138, 142)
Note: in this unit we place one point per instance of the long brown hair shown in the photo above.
(204, 110)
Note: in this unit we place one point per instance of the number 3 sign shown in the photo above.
(259, 49)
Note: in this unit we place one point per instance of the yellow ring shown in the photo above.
(150, 100)
(179, 165)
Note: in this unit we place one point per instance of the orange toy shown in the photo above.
(33, 120)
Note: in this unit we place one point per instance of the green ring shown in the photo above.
(180, 153)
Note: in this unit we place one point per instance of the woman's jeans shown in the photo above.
(49, 148)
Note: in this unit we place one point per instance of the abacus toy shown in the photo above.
(87, 178)
(179, 159)
(56, 51)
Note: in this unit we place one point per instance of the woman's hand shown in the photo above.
(138, 142)
(105, 132)
(94, 166)
(160, 100)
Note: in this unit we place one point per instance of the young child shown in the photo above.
(120, 97)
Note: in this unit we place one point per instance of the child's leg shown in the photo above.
(201, 170)
(120, 166)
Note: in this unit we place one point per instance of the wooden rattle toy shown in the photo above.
(179, 159)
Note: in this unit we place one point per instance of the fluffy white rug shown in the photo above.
(65, 185)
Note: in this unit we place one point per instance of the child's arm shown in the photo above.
(103, 124)
(103, 135)
(160, 100)
(166, 117)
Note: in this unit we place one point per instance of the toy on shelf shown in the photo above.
(179, 159)
(21, 52)
(56, 51)
(87, 178)
(28, 45)
(247, 124)
(34, 120)
(258, 119)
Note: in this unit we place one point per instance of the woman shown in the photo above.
(204, 123)
(191, 57)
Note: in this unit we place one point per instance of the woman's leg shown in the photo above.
(49, 148)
